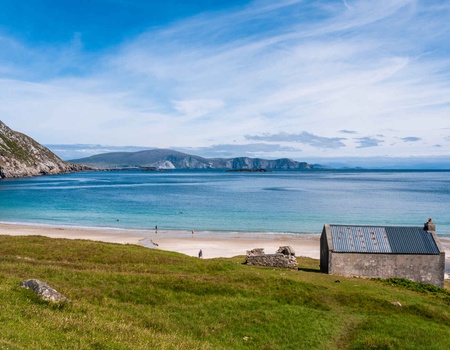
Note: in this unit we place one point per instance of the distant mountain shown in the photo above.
(21, 156)
(169, 159)
(258, 163)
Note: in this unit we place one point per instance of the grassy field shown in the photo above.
(130, 297)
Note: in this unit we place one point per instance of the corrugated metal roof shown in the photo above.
(377, 239)
(411, 240)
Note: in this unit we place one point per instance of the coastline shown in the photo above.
(214, 244)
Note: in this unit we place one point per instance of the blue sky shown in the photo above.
(287, 78)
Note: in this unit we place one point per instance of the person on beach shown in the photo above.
(192, 233)
(200, 254)
(156, 228)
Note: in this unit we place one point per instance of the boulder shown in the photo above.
(43, 290)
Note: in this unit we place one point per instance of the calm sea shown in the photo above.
(285, 201)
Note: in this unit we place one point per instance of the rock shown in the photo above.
(396, 303)
(44, 291)
(258, 170)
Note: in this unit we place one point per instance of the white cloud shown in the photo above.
(268, 68)
(258, 150)
(198, 107)
(411, 139)
(368, 142)
(303, 137)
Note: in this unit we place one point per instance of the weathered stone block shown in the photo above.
(44, 291)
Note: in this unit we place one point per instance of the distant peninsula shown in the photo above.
(247, 171)
(22, 156)
(170, 159)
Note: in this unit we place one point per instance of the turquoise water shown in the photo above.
(290, 201)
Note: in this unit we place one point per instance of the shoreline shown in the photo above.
(214, 244)
(144, 231)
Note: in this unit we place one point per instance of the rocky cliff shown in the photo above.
(259, 163)
(21, 156)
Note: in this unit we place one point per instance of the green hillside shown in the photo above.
(131, 297)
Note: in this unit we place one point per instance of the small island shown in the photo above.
(247, 171)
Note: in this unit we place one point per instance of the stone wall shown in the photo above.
(283, 258)
(418, 268)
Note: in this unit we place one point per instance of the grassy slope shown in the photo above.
(129, 297)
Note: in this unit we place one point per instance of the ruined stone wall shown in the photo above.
(273, 260)
(283, 258)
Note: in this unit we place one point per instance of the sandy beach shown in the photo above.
(214, 244)
(227, 244)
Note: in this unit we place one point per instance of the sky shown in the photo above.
(303, 79)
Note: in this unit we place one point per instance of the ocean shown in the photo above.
(279, 201)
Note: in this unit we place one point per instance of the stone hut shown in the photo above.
(283, 258)
(414, 253)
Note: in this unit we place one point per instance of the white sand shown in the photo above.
(103, 235)
(213, 244)
(227, 244)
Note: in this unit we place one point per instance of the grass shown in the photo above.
(14, 149)
(130, 297)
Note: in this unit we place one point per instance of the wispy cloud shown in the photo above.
(249, 150)
(76, 151)
(197, 108)
(411, 139)
(247, 74)
(303, 137)
(343, 131)
(368, 142)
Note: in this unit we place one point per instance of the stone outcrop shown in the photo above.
(283, 258)
(22, 156)
(44, 291)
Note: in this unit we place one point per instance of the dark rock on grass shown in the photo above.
(43, 290)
